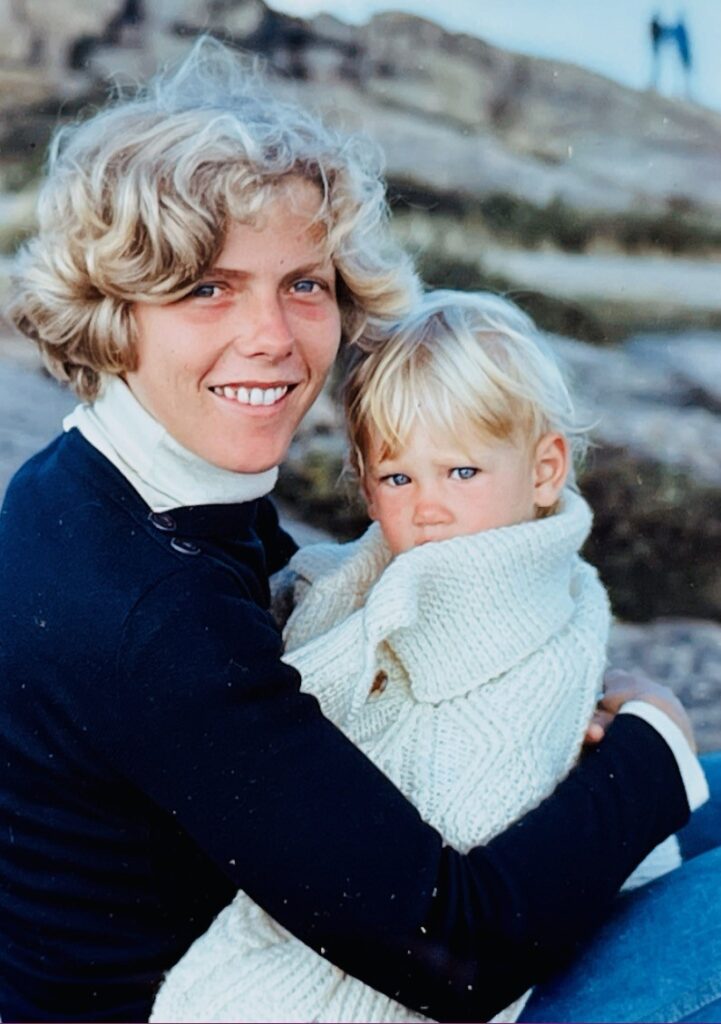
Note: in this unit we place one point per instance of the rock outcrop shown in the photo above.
(456, 116)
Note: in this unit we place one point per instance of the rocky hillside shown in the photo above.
(461, 122)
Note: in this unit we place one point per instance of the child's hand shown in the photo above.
(596, 729)
(620, 687)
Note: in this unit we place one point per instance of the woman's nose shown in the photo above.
(264, 331)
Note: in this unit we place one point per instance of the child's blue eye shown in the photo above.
(463, 472)
(397, 479)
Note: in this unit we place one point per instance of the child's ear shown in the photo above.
(550, 469)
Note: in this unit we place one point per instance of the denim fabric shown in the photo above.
(703, 832)
(658, 957)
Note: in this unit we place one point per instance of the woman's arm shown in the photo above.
(223, 739)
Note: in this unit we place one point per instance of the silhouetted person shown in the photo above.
(677, 37)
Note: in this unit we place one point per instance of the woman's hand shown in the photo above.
(620, 687)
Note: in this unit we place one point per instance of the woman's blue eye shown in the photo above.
(205, 291)
(397, 479)
(305, 287)
(463, 472)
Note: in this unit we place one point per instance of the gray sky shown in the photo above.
(608, 36)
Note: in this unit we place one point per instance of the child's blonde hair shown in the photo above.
(468, 365)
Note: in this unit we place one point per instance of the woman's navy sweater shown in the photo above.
(157, 755)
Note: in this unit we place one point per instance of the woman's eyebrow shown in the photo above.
(309, 268)
(227, 272)
(300, 271)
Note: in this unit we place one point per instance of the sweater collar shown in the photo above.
(510, 589)
(164, 473)
(456, 613)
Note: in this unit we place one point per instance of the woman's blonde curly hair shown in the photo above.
(137, 201)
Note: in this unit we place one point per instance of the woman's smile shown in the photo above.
(254, 395)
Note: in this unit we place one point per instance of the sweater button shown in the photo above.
(184, 547)
(380, 682)
(162, 521)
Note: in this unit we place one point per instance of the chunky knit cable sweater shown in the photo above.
(467, 671)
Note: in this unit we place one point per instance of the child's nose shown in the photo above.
(429, 511)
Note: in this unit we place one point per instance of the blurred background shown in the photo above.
(563, 152)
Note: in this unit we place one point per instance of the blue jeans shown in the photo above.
(658, 956)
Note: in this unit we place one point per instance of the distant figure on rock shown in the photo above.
(677, 36)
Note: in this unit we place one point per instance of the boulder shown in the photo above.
(652, 397)
(685, 654)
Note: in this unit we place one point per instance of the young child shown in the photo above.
(460, 642)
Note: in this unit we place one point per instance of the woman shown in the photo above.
(200, 253)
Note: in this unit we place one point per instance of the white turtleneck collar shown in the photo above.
(164, 473)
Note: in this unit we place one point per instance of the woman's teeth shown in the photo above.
(252, 396)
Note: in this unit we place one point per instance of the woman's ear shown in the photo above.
(550, 469)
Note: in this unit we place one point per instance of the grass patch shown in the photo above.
(557, 316)
(656, 538)
(681, 228)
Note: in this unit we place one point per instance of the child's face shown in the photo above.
(436, 488)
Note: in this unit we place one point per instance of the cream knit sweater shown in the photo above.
(467, 671)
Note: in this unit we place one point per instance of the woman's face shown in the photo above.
(231, 369)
